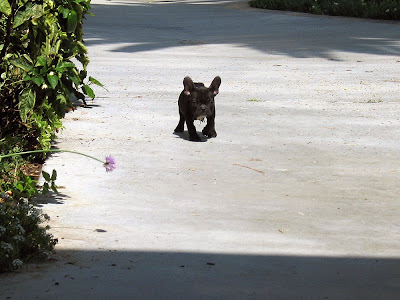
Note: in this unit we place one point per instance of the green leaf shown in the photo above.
(57, 47)
(19, 186)
(53, 30)
(47, 47)
(72, 21)
(5, 7)
(53, 175)
(26, 103)
(82, 47)
(45, 188)
(61, 99)
(79, 10)
(31, 11)
(54, 188)
(88, 91)
(61, 66)
(22, 64)
(22, 16)
(75, 79)
(37, 11)
(82, 74)
(46, 176)
(52, 79)
(28, 58)
(38, 80)
(95, 81)
(64, 11)
(41, 61)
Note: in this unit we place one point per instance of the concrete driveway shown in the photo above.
(297, 197)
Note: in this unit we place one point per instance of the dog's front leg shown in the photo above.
(209, 130)
(193, 136)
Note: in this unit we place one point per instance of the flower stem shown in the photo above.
(50, 150)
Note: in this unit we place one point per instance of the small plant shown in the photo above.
(50, 182)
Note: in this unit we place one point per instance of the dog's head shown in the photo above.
(201, 98)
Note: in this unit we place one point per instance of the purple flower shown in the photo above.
(110, 163)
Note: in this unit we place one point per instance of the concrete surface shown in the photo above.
(297, 197)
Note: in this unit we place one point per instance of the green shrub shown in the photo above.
(21, 235)
(375, 9)
(41, 41)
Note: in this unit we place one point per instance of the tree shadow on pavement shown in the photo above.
(150, 26)
(185, 275)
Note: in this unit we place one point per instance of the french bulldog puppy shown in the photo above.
(196, 102)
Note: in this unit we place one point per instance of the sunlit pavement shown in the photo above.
(296, 198)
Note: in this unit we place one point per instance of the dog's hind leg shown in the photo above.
(181, 123)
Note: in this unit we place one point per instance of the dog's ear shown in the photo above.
(188, 85)
(214, 87)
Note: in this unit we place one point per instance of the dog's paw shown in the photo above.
(210, 133)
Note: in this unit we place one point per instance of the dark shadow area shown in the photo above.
(50, 198)
(112, 274)
(91, 105)
(88, 103)
(146, 27)
(185, 135)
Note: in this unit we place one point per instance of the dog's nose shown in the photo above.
(203, 107)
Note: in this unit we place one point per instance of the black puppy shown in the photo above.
(196, 102)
